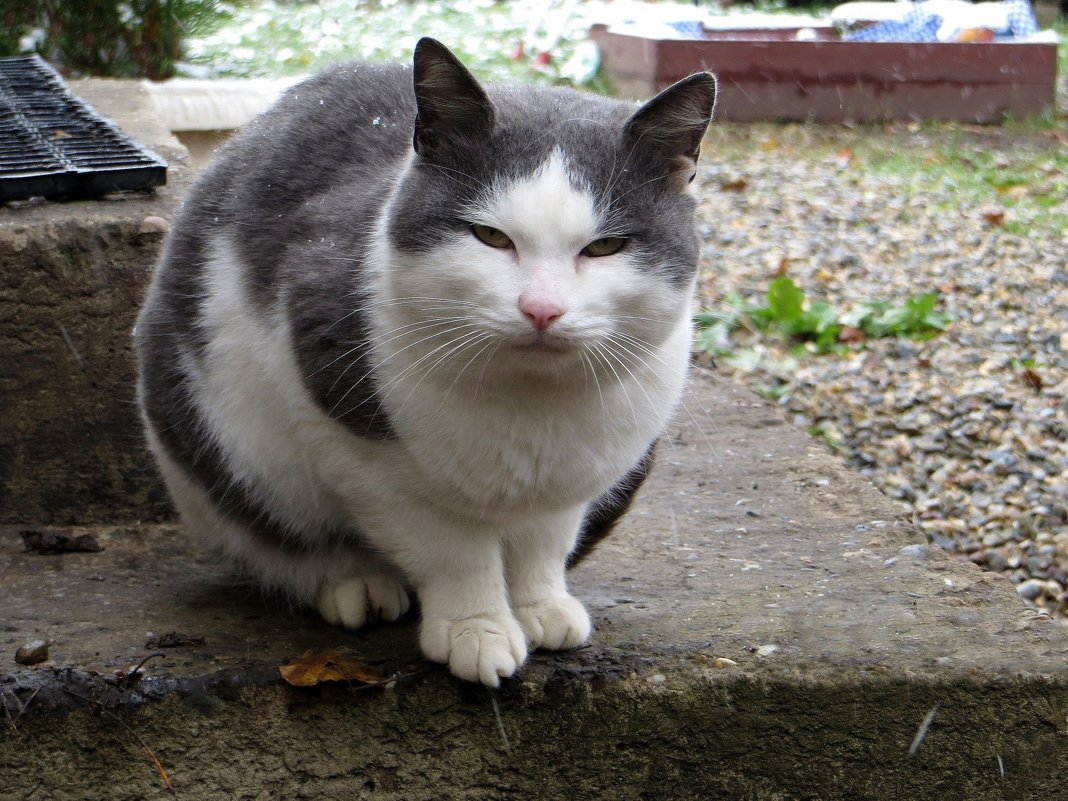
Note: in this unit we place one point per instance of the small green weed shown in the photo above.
(817, 325)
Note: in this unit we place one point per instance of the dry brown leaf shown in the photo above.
(331, 665)
(733, 184)
(849, 334)
(994, 217)
(1032, 379)
(1018, 192)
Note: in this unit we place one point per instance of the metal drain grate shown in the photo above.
(54, 145)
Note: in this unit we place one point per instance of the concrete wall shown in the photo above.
(72, 276)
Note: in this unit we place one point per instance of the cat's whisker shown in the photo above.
(637, 361)
(485, 363)
(393, 355)
(602, 354)
(584, 356)
(426, 304)
(417, 367)
(653, 375)
(452, 172)
(389, 336)
(689, 391)
(402, 331)
(652, 180)
(489, 341)
(644, 345)
(657, 320)
(419, 364)
(622, 341)
(464, 342)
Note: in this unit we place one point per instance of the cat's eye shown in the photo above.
(607, 246)
(491, 236)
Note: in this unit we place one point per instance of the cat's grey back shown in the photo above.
(296, 194)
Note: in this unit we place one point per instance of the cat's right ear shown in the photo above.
(450, 102)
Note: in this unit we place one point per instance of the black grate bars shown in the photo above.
(54, 145)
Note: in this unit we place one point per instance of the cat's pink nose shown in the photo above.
(541, 312)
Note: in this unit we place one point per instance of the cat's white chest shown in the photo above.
(514, 448)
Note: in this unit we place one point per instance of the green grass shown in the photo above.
(1030, 184)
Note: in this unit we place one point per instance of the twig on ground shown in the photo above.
(12, 722)
(500, 724)
(132, 733)
(922, 731)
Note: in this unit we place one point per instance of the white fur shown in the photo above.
(505, 435)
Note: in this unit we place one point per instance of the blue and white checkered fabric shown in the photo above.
(1022, 20)
(919, 25)
(689, 30)
(923, 25)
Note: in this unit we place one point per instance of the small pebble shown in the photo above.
(966, 618)
(154, 225)
(1030, 589)
(915, 551)
(32, 653)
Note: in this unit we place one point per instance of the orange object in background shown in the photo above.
(975, 35)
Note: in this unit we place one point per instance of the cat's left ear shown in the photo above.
(450, 102)
(670, 127)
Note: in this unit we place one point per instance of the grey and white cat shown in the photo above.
(369, 368)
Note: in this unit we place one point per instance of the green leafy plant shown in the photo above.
(117, 38)
(918, 318)
(789, 313)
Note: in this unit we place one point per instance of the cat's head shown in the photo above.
(540, 225)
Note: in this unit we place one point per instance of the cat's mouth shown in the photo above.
(543, 346)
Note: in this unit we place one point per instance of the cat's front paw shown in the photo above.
(358, 600)
(554, 623)
(486, 648)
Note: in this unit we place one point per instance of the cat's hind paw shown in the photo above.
(554, 623)
(483, 649)
(358, 600)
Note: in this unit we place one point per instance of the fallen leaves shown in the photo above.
(734, 184)
(994, 216)
(316, 667)
(1031, 378)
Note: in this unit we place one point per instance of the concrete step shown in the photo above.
(767, 627)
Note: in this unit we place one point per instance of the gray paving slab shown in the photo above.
(766, 624)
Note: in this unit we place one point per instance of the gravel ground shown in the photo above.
(969, 429)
